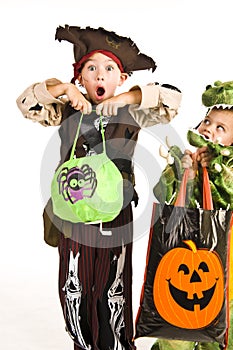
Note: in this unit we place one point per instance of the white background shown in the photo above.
(191, 41)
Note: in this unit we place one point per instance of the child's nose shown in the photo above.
(100, 77)
(209, 128)
(209, 132)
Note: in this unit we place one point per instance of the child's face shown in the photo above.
(218, 126)
(101, 76)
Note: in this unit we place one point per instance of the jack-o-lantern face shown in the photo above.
(188, 287)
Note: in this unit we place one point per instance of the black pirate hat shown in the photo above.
(88, 40)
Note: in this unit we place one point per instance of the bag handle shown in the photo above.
(77, 135)
(180, 200)
(207, 196)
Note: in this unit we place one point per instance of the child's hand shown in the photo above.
(110, 106)
(189, 161)
(203, 156)
(77, 100)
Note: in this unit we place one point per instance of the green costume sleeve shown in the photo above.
(167, 188)
(220, 173)
(220, 170)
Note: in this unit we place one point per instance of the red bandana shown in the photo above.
(78, 64)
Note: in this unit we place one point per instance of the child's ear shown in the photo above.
(80, 79)
(123, 78)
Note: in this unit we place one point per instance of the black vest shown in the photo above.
(121, 134)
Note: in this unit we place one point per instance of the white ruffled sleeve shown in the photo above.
(158, 105)
(37, 104)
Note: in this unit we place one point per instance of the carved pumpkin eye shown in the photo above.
(188, 288)
(184, 268)
(203, 266)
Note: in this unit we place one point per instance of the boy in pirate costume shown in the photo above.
(213, 138)
(96, 268)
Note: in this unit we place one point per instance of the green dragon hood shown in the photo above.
(218, 95)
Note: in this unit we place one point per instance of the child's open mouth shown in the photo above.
(100, 91)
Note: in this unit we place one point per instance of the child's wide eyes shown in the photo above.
(109, 68)
(92, 68)
(220, 127)
(206, 121)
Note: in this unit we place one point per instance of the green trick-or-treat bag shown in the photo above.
(87, 189)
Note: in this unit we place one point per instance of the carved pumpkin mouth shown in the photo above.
(181, 299)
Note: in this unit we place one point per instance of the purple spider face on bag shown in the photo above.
(77, 183)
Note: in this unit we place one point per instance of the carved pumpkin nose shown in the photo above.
(195, 277)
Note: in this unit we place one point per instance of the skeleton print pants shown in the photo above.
(95, 287)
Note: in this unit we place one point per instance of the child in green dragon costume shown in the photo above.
(214, 140)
